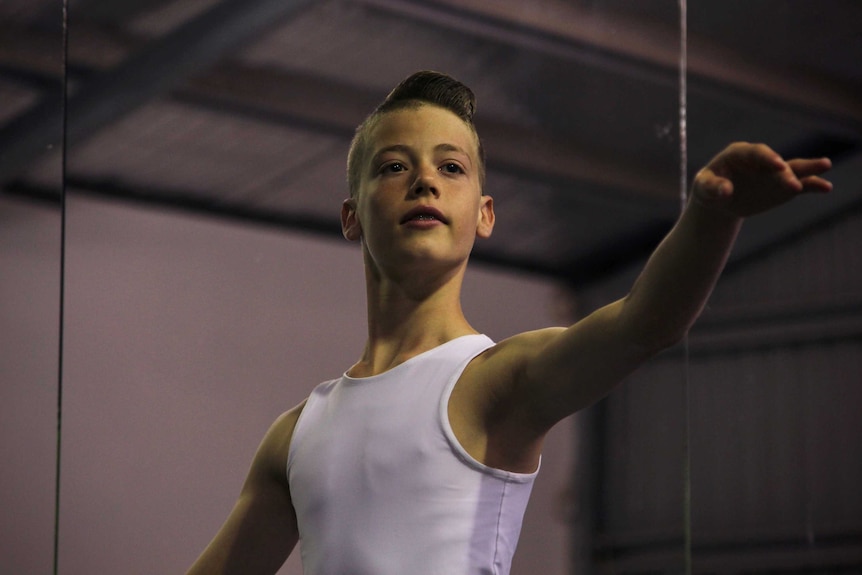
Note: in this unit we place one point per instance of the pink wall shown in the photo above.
(184, 339)
(29, 335)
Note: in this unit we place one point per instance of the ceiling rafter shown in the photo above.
(154, 70)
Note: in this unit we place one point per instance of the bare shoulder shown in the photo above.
(510, 355)
(529, 342)
(488, 413)
(272, 454)
(284, 425)
(501, 365)
(535, 379)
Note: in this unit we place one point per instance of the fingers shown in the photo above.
(803, 167)
(746, 179)
(802, 175)
(816, 184)
(808, 172)
(761, 155)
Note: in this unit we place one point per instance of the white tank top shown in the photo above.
(381, 486)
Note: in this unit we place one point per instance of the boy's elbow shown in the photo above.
(656, 328)
(670, 340)
(656, 337)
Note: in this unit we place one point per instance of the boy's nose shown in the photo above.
(425, 183)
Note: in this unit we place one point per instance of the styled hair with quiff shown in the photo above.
(421, 88)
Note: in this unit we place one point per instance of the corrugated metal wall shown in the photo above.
(775, 401)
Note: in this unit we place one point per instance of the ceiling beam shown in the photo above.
(156, 69)
(110, 11)
(31, 50)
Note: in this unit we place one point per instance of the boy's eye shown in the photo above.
(452, 168)
(393, 167)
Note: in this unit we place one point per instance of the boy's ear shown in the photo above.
(350, 226)
(485, 224)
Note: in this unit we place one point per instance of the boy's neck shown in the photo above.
(406, 318)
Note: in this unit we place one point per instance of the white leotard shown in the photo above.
(381, 486)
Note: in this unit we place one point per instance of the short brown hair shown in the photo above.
(425, 87)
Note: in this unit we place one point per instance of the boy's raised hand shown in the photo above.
(746, 179)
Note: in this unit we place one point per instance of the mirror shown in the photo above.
(775, 361)
(31, 88)
(208, 288)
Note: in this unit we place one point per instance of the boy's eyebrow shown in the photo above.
(453, 148)
(407, 149)
(393, 148)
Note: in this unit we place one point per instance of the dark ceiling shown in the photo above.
(244, 109)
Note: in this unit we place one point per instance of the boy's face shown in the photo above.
(419, 199)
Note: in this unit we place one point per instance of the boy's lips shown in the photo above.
(423, 213)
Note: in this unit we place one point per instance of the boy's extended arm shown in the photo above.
(564, 370)
(261, 530)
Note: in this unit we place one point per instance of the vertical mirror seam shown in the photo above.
(62, 290)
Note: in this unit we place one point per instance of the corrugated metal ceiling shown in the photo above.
(577, 102)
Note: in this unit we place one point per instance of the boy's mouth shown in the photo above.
(424, 214)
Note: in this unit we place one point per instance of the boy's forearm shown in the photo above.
(678, 278)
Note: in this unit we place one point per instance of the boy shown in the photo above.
(420, 459)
